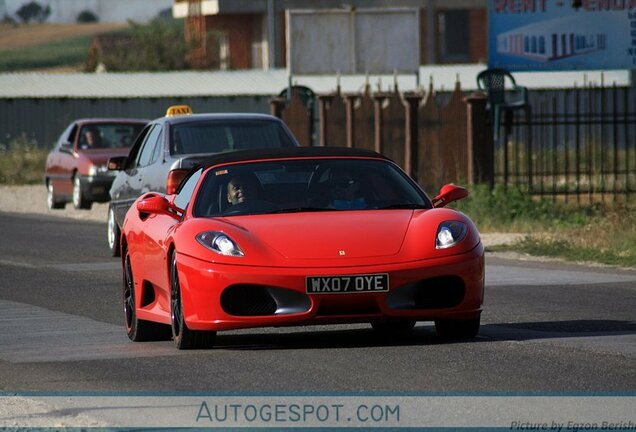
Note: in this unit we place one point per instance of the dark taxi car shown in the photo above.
(169, 146)
(76, 168)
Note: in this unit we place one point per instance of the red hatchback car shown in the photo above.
(76, 167)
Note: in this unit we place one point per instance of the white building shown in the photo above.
(66, 11)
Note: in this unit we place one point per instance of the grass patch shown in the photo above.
(605, 234)
(608, 239)
(61, 53)
(514, 210)
(22, 162)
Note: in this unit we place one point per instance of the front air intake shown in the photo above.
(435, 293)
(248, 300)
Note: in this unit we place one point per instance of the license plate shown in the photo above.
(378, 282)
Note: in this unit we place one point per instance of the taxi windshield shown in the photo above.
(306, 185)
(216, 136)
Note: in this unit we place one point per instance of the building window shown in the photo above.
(218, 50)
(454, 35)
(534, 44)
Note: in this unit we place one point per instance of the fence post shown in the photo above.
(276, 106)
(296, 114)
(350, 119)
(377, 130)
(333, 119)
(410, 139)
(480, 151)
(323, 102)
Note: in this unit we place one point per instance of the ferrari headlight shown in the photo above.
(449, 234)
(219, 243)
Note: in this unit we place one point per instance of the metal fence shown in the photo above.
(580, 146)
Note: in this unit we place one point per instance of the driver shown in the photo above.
(92, 138)
(242, 188)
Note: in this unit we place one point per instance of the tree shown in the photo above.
(156, 46)
(33, 11)
(8, 19)
(87, 16)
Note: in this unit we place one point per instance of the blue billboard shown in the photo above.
(540, 35)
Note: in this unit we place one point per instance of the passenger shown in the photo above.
(346, 191)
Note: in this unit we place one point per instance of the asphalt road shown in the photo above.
(546, 327)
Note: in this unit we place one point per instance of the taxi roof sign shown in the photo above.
(178, 110)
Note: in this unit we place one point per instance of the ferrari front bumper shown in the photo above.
(224, 297)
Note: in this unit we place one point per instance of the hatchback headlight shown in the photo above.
(449, 234)
(219, 243)
(94, 170)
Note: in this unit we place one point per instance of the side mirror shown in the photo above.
(156, 204)
(66, 147)
(449, 193)
(117, 163)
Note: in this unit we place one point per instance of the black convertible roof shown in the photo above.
(287, 152)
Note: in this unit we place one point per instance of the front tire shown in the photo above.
(457, 329)
(52, 201)
(184, 338)
(80, 202)
(138, 330)
(113, 234)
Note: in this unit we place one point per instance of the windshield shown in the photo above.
(108, 135)
(306, 185)
(216, 136)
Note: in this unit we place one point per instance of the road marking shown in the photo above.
(17, 264)
(73, 267)
(34, 334)
(82, 267)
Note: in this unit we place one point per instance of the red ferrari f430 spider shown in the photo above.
(285, 237)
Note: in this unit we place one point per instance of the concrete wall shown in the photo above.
(365, 40)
